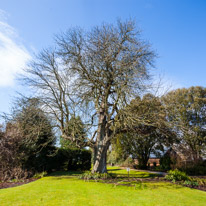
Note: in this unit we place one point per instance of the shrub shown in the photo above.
(16, 173)
(191, 183)
(96, 176)
(40, 175)
(201, 182)
(176, 175)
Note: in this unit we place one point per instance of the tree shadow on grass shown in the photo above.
(165, 185)
(142, 185)
(65, 173)
(113, 170)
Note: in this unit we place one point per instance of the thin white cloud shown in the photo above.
(13, 55)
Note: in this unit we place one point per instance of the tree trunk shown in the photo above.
(101, 146)
(100, 159)
(143, 162)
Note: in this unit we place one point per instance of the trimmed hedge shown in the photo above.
(71, 159)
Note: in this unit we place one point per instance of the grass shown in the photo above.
(133, 173)
(64, 188)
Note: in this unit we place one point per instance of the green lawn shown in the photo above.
(66, 189)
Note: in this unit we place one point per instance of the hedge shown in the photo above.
(71, 159)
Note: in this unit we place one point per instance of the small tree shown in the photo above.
(37, 138)
(145, 129)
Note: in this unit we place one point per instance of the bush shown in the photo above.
(40, 175)
(16, 173)
(71, 159)
(176, 175)
(191, 183)
(96, 176)
(201, 182)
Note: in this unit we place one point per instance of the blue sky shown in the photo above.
(175, 28)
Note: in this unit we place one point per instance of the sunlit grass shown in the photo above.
(132, 173)
(64, 188)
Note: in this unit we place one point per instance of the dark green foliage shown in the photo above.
(196, 169)
(72, 159)
(37, 142)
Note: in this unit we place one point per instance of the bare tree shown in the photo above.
(101, 69)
